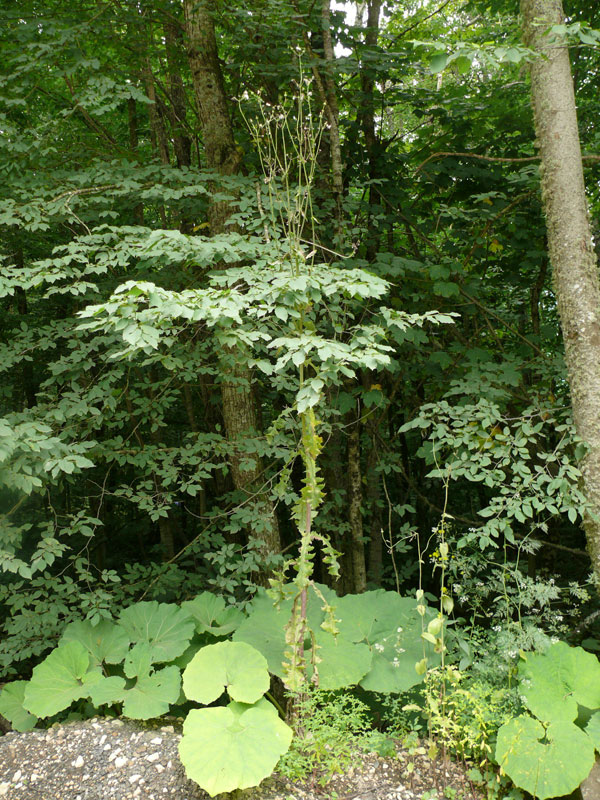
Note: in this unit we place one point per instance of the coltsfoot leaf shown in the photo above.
(11, 707)
(230, 748)
(234, 666)
(104, 642)
(555, 682)
(63, 677)
(545, 761)
(163, 626)
(152, 694)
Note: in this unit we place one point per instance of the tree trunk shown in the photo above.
(220, 149)
(357, 547)
(574, 265)
(366, 116)
(240, 414)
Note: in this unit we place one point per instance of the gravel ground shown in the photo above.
(103, 759)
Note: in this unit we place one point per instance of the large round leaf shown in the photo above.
(342, 663)
(152, 694)
(104, 642)
(390, 626)
(11, 707)
(212, 615)
(265, 626)
(63, 677)
(234, 666)
(163, 626)
(553, 683)
(230, 748)
(546, 762)
(265, 629)
(592, 729)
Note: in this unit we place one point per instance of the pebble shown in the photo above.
(153, 757)
(134, 778)
(4, 787)
(120, 762)
(78, 763)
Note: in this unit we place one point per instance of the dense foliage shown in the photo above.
(307, 333)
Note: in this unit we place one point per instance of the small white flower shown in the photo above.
(379, 647)
(401, 629)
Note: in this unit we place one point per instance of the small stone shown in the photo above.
(107, 746)
(159, 768)
(114, 754)
(102, 739)
(4, 787)
(168, 729)
(34, 777)
(17, 776)
(78, 763)
(156, 740)
(153, 757)
(120, 762)
(134, 778)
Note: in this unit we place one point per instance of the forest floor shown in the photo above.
(103, 759)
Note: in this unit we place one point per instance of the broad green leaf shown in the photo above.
(545, 761)
(152, 694)
(11, 707)
(264, 630)
(265, 626)
(343, 663)
(391, 628)
(138, 660)
(104, 642)
(108, 691)
(437, 62)
(212, 615)
(593, 729)
(230, 748)
(233, 666)
(553, 683)
(60, 679)
(163, 626)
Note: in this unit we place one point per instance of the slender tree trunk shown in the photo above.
(366, 114)
(176, 109)
(220, 149)
(574, 264)
(240, 413)
(357, 547)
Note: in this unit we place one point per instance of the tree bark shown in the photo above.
(574, 264)
(240, 413)
(366, 116)
(220, 149)
(357, 547)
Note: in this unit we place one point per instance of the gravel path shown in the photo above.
(102, 759)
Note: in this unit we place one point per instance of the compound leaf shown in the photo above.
(230, 748)
(234, 666)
